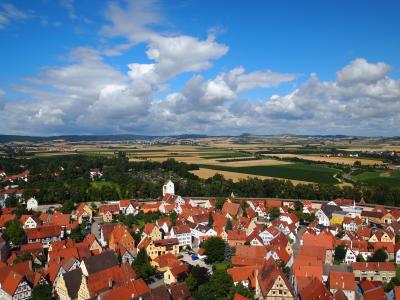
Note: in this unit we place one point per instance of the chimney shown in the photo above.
(110, 283)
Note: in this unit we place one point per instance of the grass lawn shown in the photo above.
(383, 178)
(100, 184)
(221, 266)
(295, 171)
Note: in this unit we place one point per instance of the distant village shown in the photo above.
(337, 249)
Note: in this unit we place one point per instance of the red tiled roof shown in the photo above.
(230, 208)
(269, 274)
(167, 260)
(6, 218)
(374, 266)
(342, 280)
(43, 232)
(239, 297)
(113, 208)
(236, 235)
(316, 290)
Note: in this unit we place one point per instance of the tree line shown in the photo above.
(62, 178)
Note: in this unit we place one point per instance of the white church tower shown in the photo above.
(168, 188)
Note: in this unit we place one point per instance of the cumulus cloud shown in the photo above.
(89, 95)
(360, 71)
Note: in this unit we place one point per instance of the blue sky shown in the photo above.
(214, 67)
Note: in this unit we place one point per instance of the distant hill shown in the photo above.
(92, 138)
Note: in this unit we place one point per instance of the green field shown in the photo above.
(101, 184)
(219, 155)
(379, 178)
(296, 171)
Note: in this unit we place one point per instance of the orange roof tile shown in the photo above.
(342, 280)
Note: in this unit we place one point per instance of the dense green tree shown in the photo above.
(360, 258)
(218, 287)
(214, 249)
(340, 253)
(210, 219)
(15, 232)
(173, 216)
(41, 292)
(242, 290)
(11, 201)
(298, 206)
(228, 224)
(142, 265)
(68, 206)
(274, 213)
(379, 255)
(197, 276)
(219, 202)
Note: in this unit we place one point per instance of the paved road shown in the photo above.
(296, 245)
(95, 227)
(199, 262)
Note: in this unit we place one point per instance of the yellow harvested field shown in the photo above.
(251, 163)
(382, 147)
(339, 160)
(207, 173)
(242, 163)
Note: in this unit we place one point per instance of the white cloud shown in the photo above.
(360, 71)
(68, 5)
(2, 93)
(9, 13)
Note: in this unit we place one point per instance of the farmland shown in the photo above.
(295, 158)
(332, 159)
(390, 178)
(297, 171)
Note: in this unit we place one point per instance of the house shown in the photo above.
(152, 232)
(272, 284)
(231, 210)
(175, 274)
(83, 213)
(168, 188)
(351, 224)
(236, 237)
(268, 234)
(245, 275)
(165, 261)
(397, 253)
(100, 262)
(375, 271)
(44, 234)
(313, 288)
(249, 255)
(183, 234)
(128, 207)
(97, 283)
(14, 286)
(107, 211)
(32, 204)
(121, 241)
(373, 217)
(160, 247)
(344, 281)
(95, 174)
(68, 284)
(28, 221)
(164, 224)
(324, 214)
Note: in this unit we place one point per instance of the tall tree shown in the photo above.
(142, 265)
(41, 292)
(214, 249)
